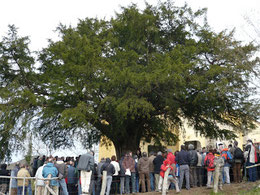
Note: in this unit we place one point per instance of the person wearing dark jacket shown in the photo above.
(183, 160)
(99, 179)
(143, 169)
(158, 161)
(193, 163)
(122, 175)
(4, 181)
(63, 173)
(110, 169)
(72, 179)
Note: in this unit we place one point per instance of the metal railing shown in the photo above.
(47, 188)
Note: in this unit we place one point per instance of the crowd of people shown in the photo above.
(187, 168)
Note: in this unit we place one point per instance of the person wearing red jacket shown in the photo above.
(164, 167)
(171, 157)
(209, 163)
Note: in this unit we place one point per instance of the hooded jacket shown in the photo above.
(193, 156)
(143, 165)
(107, 166)
(164, 167)
(250, 153)
(151, 165)
(100, 164)
(49, 168)
(158, 161)
(62, 168)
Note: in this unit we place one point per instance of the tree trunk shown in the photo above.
(128, 145)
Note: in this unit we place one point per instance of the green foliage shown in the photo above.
(137, 72)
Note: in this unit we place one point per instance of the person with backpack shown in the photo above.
(209, 163)
(110, 169)
(238, 161)
(228, 162)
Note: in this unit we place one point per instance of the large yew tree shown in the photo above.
(128, 79)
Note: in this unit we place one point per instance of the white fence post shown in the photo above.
(165, 182)
(23, 185)
(104, 183)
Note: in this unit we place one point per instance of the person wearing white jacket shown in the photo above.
(116, 178)
(251, 159)
(40, 181)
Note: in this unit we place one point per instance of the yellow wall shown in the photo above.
(187, 133)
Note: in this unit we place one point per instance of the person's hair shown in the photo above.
(3, 166)
(183, 147)
(113, 158)
(23, 165)
(144, 154)
(230, 145)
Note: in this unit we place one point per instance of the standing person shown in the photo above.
(99, 179)
(110, 169)
(136, 174)
(193, 163)
(23, 172)
(204, 170)
(129, 166)
(115, 181)
(4, 181)
(218, 164)
(63, 173)
(72, 179)
(199, 169)
(86, 166)
(143, 169)
(166, 164)
(227, 157)
(14, 181)
(251, 158)
(122, 175)
(40, 183)
(209, 163)
(238, 161)
(172, 177)
(40, 162)
(158, 161)
(151, 170)
(183, 160)
(50, 169)
(34, 166)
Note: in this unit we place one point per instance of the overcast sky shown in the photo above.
(39, 18)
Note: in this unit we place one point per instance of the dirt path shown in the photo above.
(232, 189)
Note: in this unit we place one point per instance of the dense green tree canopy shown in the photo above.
(126, 78)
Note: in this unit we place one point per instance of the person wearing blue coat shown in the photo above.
(50, 169)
